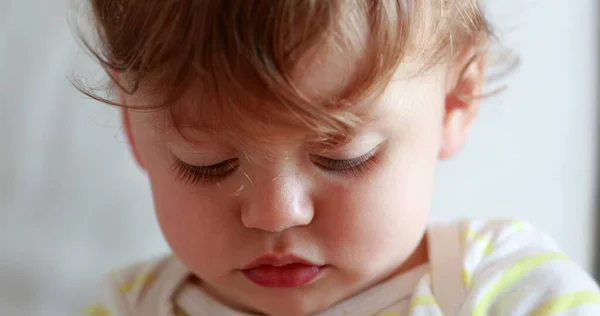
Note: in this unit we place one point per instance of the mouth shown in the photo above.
(282, 272)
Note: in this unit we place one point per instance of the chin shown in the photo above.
(301, 304)
(294, 310)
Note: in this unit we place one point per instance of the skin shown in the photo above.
(364, 227)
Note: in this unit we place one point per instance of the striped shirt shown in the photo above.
(507, 267)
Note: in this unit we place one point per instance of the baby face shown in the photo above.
(281, 227)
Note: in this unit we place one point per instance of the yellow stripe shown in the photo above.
(421, 300)
(485, 240)
(520, 225)
(467, 278)
(137, 282)
(513, 274)
(97, 310)
(567, 301)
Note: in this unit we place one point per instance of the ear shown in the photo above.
(126, 120)
(466, 79)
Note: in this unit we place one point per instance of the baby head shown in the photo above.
(291, 145)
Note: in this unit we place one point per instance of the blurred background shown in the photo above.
(73, 204)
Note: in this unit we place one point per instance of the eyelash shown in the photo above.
(190, 174)
(355, 167)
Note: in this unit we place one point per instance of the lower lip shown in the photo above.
(291, 275)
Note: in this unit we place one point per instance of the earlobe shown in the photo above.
(455, 134)
(462, 104)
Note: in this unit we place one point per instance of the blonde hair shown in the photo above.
(241, 59)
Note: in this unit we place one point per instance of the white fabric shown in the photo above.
(507, 268)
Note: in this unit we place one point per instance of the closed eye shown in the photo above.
(355, 166)
(192, 174)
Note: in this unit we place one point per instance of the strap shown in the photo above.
(445, 254)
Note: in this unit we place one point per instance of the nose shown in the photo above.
(277, 205)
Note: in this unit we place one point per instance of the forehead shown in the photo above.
(330, 73)
(402, 104)
(321, 78)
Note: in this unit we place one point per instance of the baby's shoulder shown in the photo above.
(512, 267)
(502, 236)
(133, 278)
(493, 243)
(125, 289)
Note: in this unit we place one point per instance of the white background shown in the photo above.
(73, 205)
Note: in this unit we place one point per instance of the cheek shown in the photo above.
(197, 224)
(374, 224)
(189, 222)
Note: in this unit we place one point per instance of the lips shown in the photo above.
(289, 271)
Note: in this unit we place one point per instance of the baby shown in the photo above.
(291, 147)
